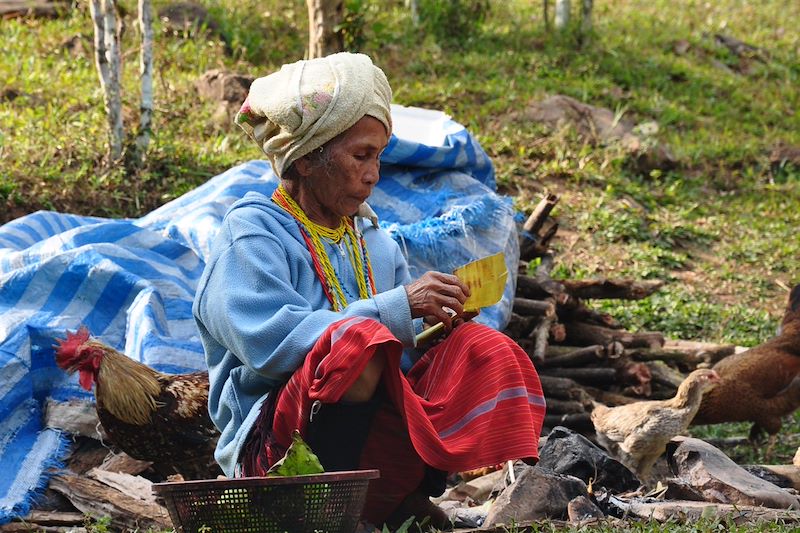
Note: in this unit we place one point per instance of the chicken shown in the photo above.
(760, 385)
(151, 416)
(637, 433)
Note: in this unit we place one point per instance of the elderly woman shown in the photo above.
(306, 307)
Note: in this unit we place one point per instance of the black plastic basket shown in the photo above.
(319, 503)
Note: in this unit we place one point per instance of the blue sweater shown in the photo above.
(260, 308)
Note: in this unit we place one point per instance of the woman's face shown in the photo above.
(338, 188)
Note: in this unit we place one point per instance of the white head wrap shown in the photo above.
(306, 104)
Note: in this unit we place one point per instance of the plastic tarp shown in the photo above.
(132, 281)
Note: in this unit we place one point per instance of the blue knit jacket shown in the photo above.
(260, 307)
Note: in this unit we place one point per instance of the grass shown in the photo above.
(721, 227)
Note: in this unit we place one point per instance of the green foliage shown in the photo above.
(454, 21)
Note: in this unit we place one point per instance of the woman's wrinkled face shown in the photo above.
(338, 188)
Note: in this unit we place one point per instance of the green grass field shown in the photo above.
(721, 228)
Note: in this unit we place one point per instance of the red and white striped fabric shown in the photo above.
(472, 400)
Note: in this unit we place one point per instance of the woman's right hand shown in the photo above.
(432, 292)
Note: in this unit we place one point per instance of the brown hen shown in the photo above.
(637, 433)
(151, 416)
(761, 385)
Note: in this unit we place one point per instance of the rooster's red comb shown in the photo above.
(66, 348)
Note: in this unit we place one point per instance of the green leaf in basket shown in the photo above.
(299, 460)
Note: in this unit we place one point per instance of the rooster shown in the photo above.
(637, 433)
(151, 416)
(760, 385)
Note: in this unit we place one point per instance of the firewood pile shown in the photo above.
(582, 354)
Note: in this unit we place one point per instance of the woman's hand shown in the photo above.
(431, 293)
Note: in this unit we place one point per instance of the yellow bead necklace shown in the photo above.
(313, 234)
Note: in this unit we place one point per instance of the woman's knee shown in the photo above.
(365, 385)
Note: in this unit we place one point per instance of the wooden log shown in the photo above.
(683, 511)
(709, 353)
(558, 332)
(664, 374)
(520, 326)
(607, 397)
(582, 334)
(577, 357)
(575, 421)
(531, 243)
(623, 289)
(539, 308)
(561, 388)
(563, 407)
(575, 310)
(540, 213)
(538, 245)
(588, 375)
(95, 498)
(540, 335)
(789, 473)
(50, 518)
(636, 376)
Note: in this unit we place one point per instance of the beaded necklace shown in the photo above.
(313, 234)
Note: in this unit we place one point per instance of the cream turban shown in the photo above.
(306, 104)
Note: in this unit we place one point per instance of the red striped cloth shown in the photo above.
(472, 400)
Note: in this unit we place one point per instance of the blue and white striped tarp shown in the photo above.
(132, 282)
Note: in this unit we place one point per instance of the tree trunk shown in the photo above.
(586, 16)
(414, 6)
(562, 14)
(146, 70)
(107, 59)
(323, 17)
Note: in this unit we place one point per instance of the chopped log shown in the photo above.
(528, 307)
(95, 498)
(575, 421)
(789, 473)
(668, 356)
(133, 486)
(636, 375)
(520, 326)
(578, 356)
(540, 334)
(540, 287)
(540, 213)
(608, 398)
(50, 518)
(588, 375)
(665, 374)
(707, 352)
(558, 332)
(561, 388)
(78, 417)
(563, 407)
(582, 334)
(623, 289)
(684, 511)
(576, 311)
(531, 243)
(122, 463)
